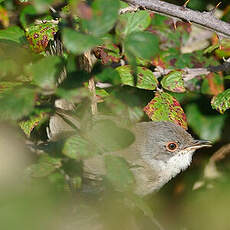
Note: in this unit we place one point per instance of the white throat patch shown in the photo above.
(167, 170)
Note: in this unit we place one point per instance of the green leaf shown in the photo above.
(118, 173)
(45, 166)
(75, 147)
(173, 82)
(105, 13)
(109, 75)
(132, 22)
(77, 42)
(109, 137)
(16, 103)
(28, 125)
(207, 127)
(39, 35)
(222, 101)
(164, 107)
(45, 71)
(142, 44)
(13, 33)
(145, 77)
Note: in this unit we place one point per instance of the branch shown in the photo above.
(190, 73)
(203, 19)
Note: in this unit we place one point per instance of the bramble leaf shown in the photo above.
(145, 77)
(142, 44)
(132, 22)
(28, 125)
(104, 16)
(16, 103)
(39, 35)
(221, 102)
(174, 82)
(45, 71)
(164, 107)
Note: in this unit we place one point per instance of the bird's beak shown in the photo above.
(197, 144)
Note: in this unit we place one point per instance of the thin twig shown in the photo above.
(203, 19)
(92, 89)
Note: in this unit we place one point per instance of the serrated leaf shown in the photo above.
(213, 84)
(77, 42)
(145, 77)
(75, 147)
(132, 22)
(142, 44)
(118, 173)
(45, 71)
(28, 125)
(105, 13)
(164, 107)
(174, 82)
(221, 102)
(45, 166)
(108, 53)
(13, 33)
(207, 127)
(39, 35)
(16, 103)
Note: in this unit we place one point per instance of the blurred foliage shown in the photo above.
(43, 60)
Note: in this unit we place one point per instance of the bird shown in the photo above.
(160, 151)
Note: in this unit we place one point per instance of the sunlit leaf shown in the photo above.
(164, 107)
(145, 77)
(222, 101)
(39, 35)
(28, 125)
(132, 22)
(173, 82)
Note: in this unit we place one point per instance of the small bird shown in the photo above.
(160, 151)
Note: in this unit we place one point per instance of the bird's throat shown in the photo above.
(166, 170)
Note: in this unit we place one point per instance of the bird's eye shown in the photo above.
(172, 146)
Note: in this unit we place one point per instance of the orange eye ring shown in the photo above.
(172, 146)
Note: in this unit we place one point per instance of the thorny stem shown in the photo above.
(203, 19)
